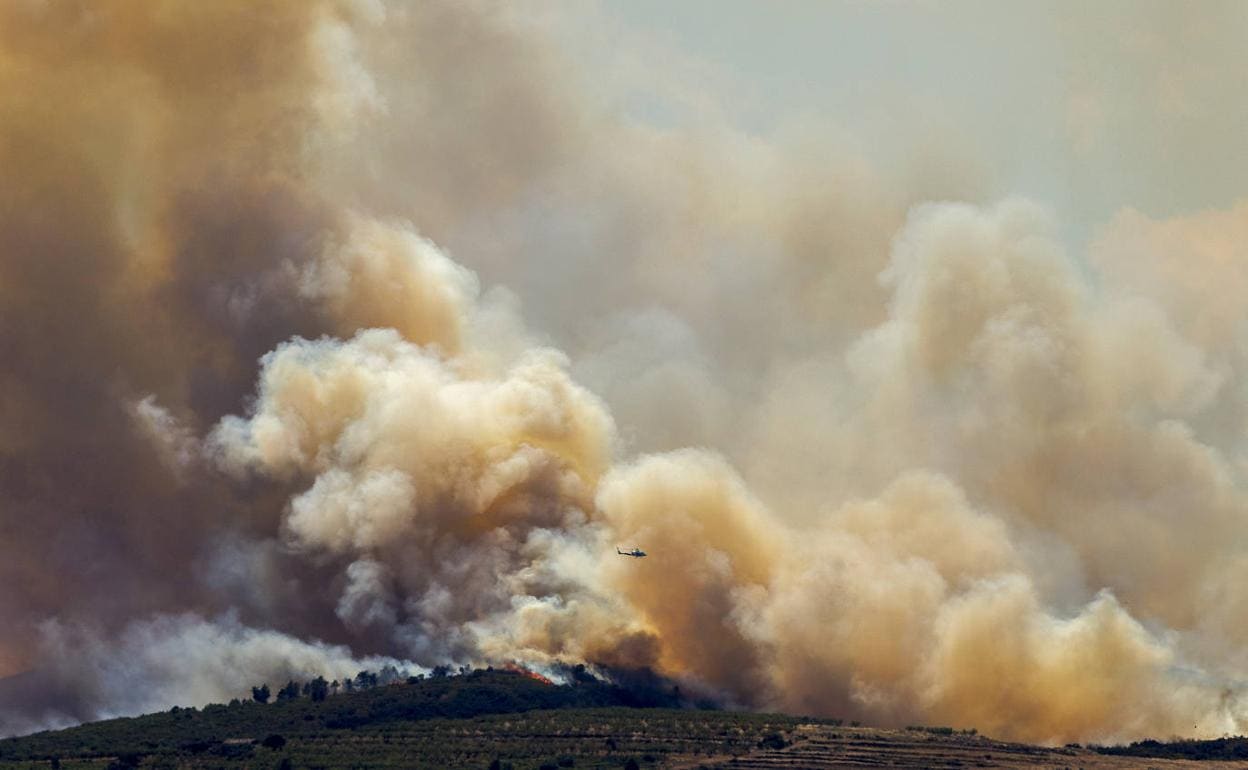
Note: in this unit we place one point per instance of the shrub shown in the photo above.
(773, 741)
(126, 761)
(273, 741)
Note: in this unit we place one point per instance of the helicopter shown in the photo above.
(636, 553)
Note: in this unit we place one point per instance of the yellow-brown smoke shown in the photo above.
(891, 460)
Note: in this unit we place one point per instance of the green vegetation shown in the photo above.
(1227, 749)
(482, 719)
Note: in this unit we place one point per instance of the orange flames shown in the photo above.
(517, 668)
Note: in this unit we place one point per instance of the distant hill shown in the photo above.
(31, 699)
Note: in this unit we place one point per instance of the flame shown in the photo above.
(518, 669)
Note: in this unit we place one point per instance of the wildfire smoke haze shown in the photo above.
(340, 335)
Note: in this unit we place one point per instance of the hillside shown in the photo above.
(459, 721)
(502, 719)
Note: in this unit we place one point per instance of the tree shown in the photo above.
(317, 689)
(260, 694)
(289, 692)
(273, 741)
(581, 675)
(388, 675)
(365, 680)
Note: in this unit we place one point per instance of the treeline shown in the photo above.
(319, 689)
(486, 691)
(1227, 749)
(475, 695)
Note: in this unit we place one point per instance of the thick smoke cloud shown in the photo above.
(162, 660)
(893, 460)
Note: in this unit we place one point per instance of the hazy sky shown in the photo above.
(1086, 106)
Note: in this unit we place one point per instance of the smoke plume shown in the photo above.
(340, 335)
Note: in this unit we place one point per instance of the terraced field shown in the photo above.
(583, 738)
(610, 738)
(590, 738)
(823, 746)
(504, 721)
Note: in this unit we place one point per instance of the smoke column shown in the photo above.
(340, 335)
